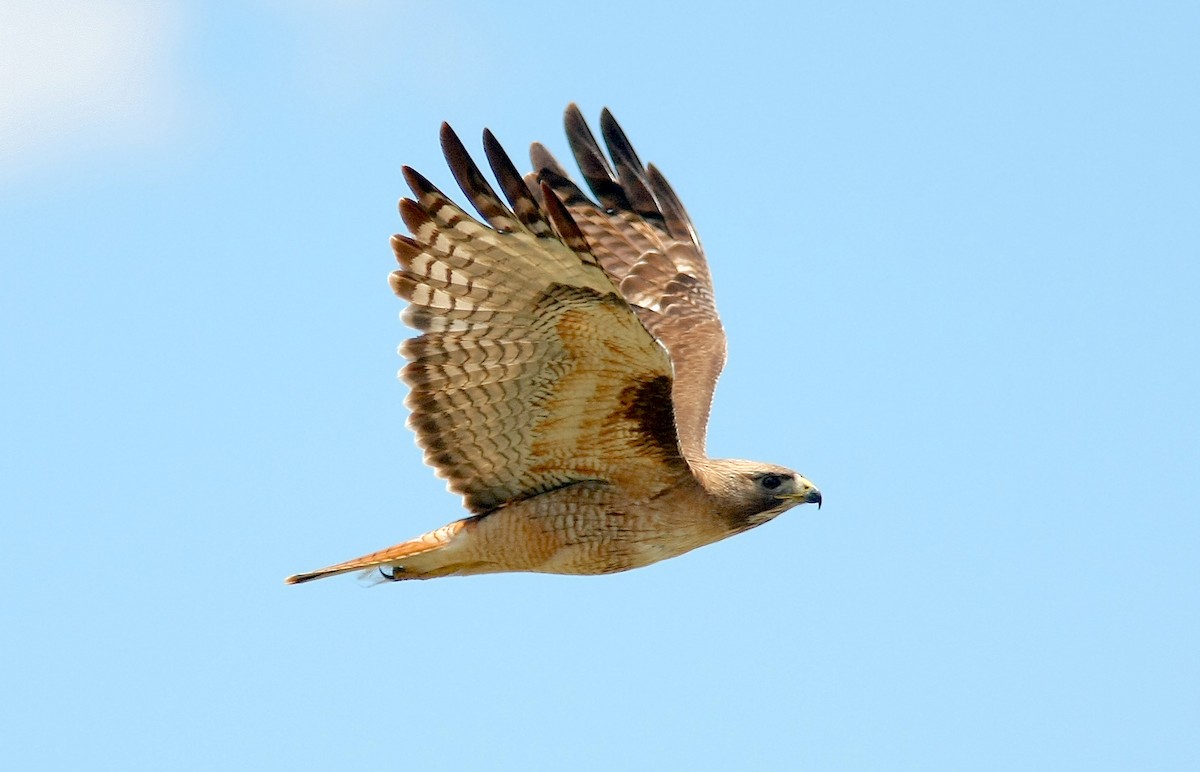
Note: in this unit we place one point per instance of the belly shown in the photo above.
(579, 538)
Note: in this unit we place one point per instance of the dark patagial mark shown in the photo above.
(647, 403)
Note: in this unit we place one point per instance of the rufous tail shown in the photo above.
(413, 559)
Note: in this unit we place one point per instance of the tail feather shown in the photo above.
(400, 557)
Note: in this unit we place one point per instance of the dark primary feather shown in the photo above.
(630, 171)
(474, 184)
(676, 218)
(593, 165)
(520, 198)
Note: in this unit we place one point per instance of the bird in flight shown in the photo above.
(566, 364)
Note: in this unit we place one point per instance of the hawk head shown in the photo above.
(752, 492)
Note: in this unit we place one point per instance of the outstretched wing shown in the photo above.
(645, 241)
(532, 372)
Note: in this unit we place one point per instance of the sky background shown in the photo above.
(955, 249)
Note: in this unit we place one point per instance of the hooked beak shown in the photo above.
(810, 496)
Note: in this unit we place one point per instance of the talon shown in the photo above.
(391, 577)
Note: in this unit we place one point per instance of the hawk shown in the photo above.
(563, 376)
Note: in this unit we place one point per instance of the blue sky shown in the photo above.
(956, 252)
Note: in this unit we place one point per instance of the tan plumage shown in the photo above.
(563, 377)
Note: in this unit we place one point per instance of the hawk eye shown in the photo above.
(771, 481)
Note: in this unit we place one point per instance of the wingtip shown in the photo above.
(608, 121)
(447, 134)
(416, 181)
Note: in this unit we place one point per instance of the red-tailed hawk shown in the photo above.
(562, 379)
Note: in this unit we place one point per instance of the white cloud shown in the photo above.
(77, 76)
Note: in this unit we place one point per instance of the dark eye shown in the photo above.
(771, 481)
